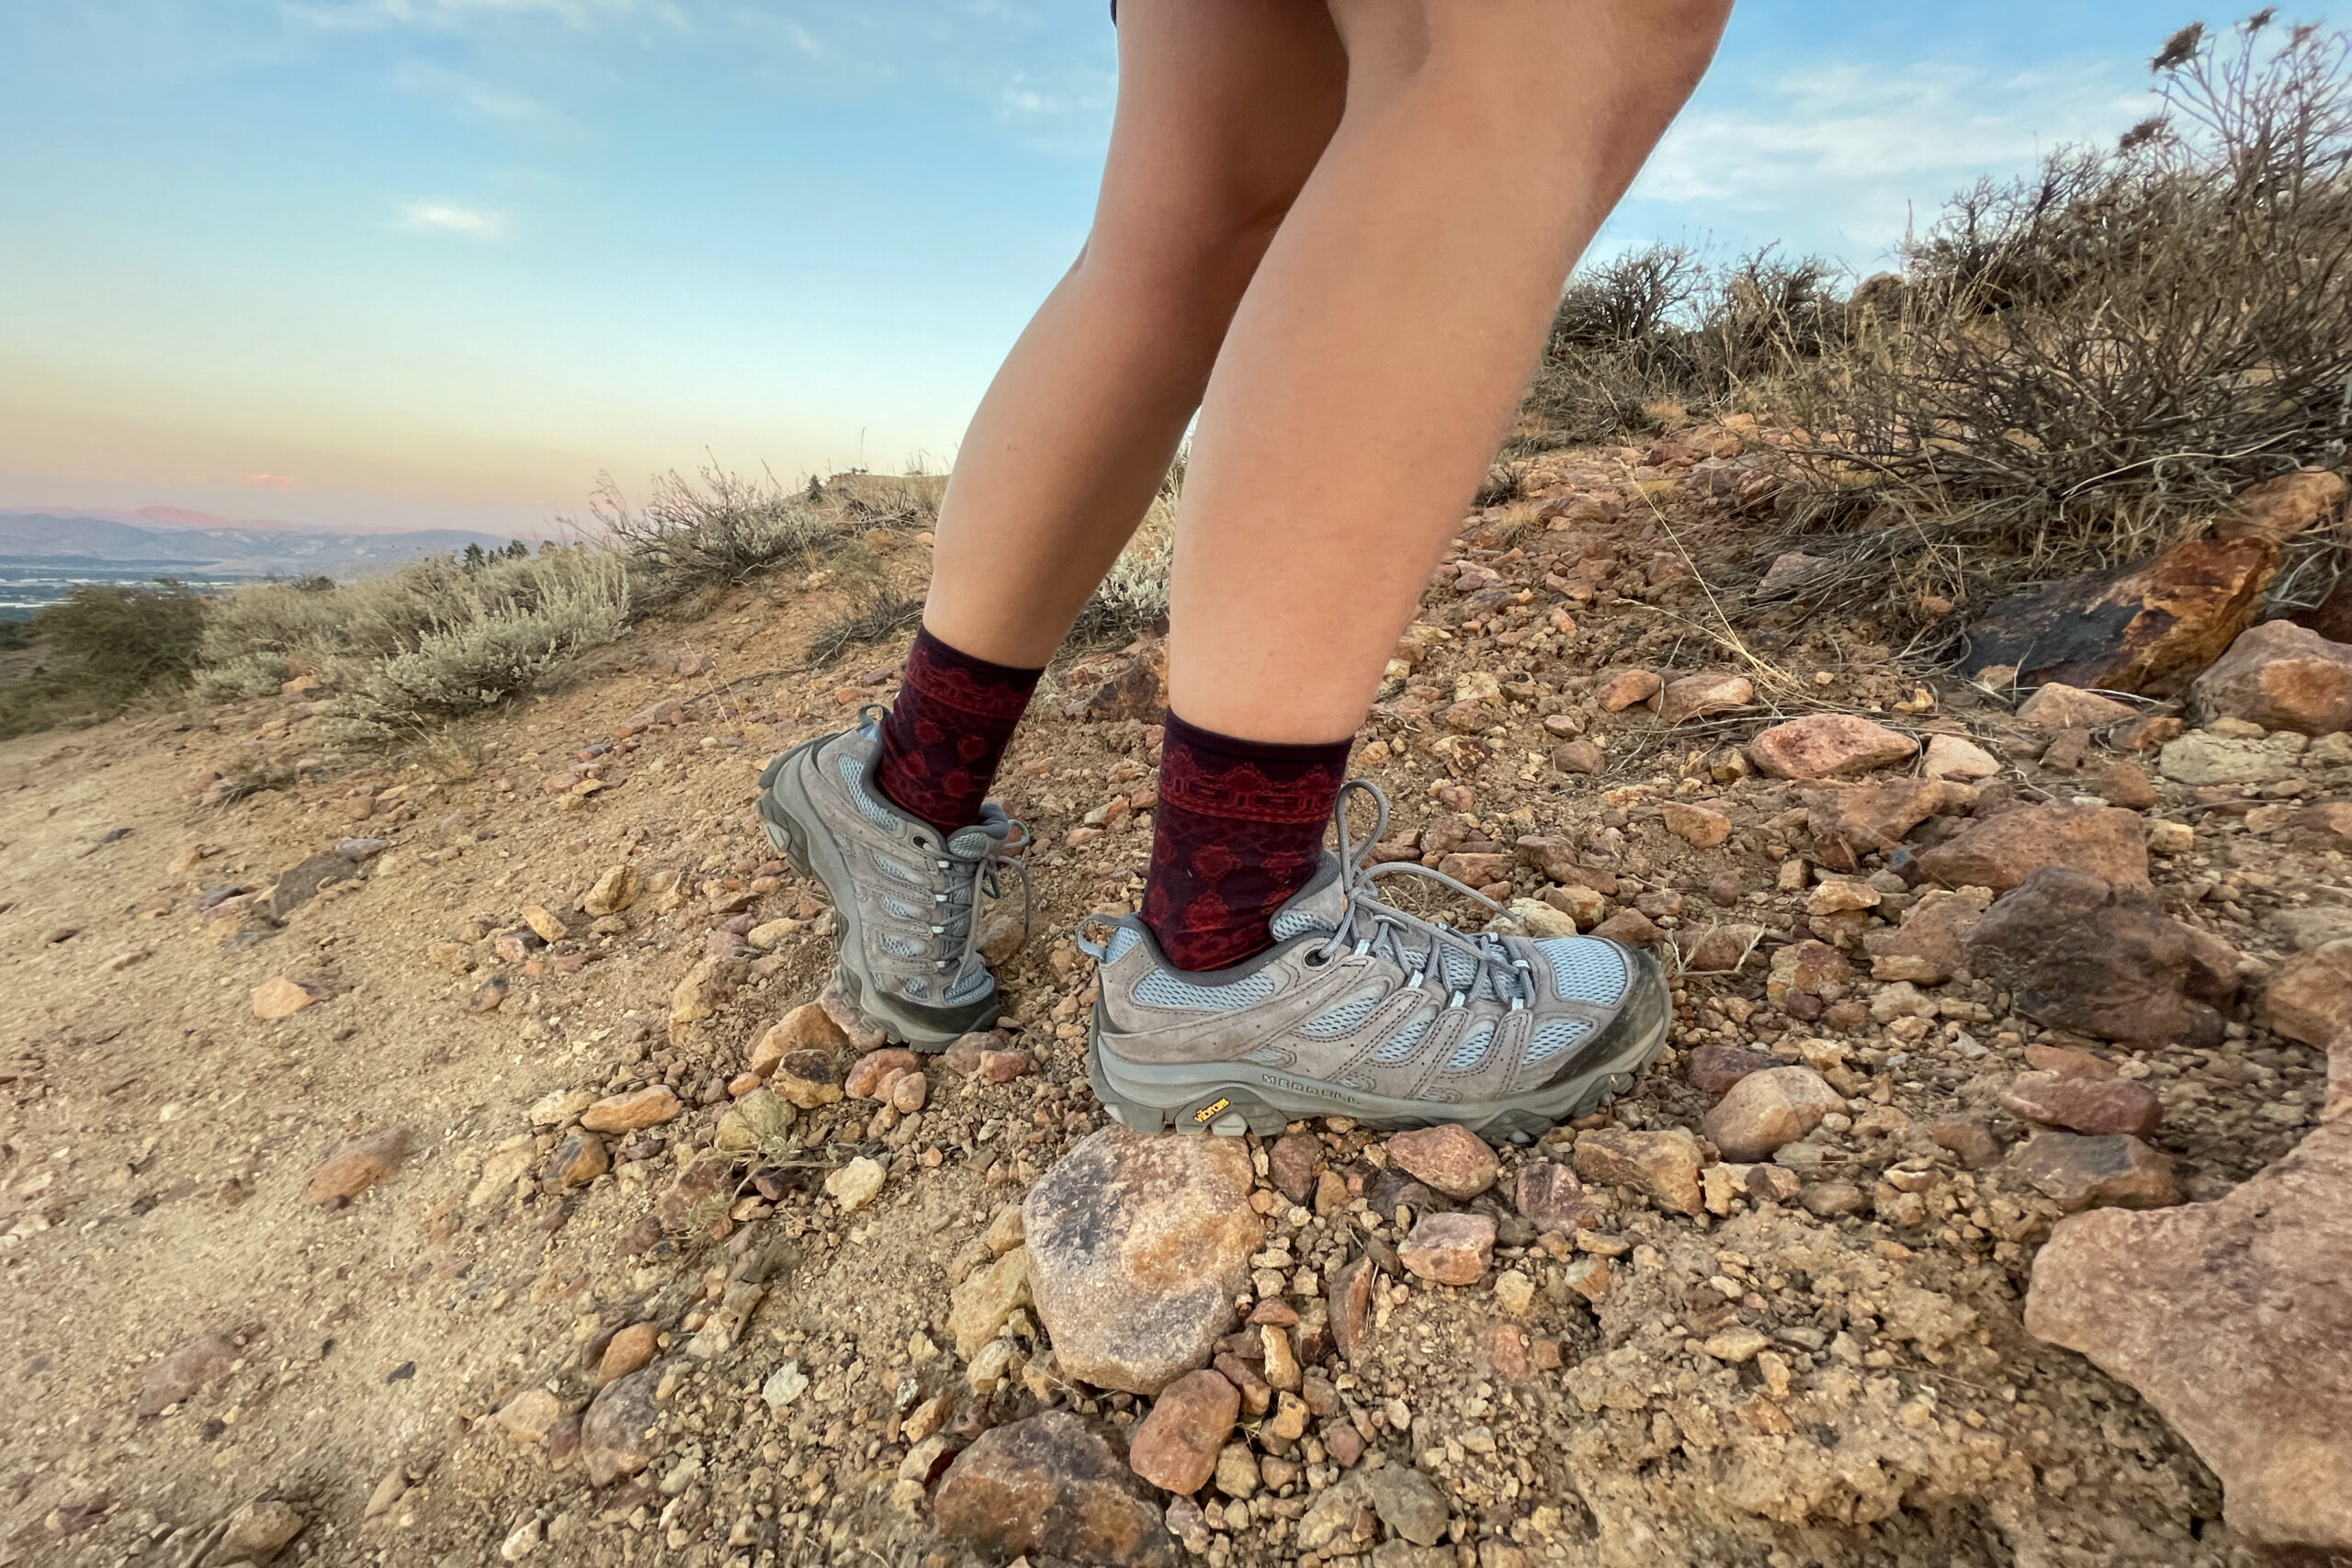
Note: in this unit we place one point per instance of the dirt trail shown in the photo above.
(157, 1138)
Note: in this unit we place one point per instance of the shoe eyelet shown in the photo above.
(1315, 958)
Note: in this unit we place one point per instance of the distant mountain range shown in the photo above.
(167, 537)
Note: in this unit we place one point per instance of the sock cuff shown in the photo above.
(1211, 774)
(948, 675)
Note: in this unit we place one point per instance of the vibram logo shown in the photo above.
(1208, 1112)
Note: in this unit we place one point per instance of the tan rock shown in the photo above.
(2276, 509)
(1665, 1164)
(1137, 1246)
(633, 1111)
(1450, 1158)
(1821, 745)
(189, 1367)
(626, 1351)
(1956, 757)
(1807, 969)
(546, 921)
(1704, 696)
(279, 997)
(1929, 944)
(1764, 1110)
(2056, 705)
(981, 1306)
(2232, 1320)
(1853, 820)
(527, 1418)
(2310, 999)
(875, 1071)
(357, 1166)
(614, 891)
(2081, 1103)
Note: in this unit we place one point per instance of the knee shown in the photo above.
(1194, 257)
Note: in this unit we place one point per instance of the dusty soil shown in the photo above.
(156, 1137)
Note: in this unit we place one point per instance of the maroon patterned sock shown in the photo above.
(1239, 831)
(947, 731)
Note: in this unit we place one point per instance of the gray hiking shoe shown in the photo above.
(904, 899)
(1361, 1010)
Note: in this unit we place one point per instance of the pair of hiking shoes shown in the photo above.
(1359, 1010)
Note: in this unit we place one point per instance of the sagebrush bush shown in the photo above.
(1132, 598)
(713, 530)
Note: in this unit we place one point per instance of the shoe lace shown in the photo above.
(970, 875)
(1370, 925)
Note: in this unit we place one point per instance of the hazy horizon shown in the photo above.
(436, 263)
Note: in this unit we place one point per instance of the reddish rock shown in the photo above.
(1175, 1447)
(2068, 1063)
(1821, 745)
(1004, 1066)
(1051, 1483)
(2310, 999)
(2104, 960)
(188, 1366)
(2127, 784)
(1665, 1164)
(1704, 696)
(2232, 1320)
(877, 1070)
(1451, 1159)
(2114, 1172)
(1621, 690)
(1807, 969)
(2280, 676)
(1872, 819)
(1577, 756)
(1450, 1249)
(1630, 927)
(1764, 1110)
(633, 1111)
(1930, 942)
(1549, 1197)
(1291, 1163)
(577, 1161)
(2279, 509)
(1504, 1348)
(1971, 1140)
(1137, 1246)
(1718, 950)
(2145, 626)
(1715, 1068)
(2001, 852)
(355, 1166)
(1696, 826)
(626, 1351)
(2083, 1104)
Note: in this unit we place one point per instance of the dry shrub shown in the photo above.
(2083, 364)
(1132, 598)
(103, 646)
(714, 530)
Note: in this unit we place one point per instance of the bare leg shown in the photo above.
(1224, 108)
(1374, 363)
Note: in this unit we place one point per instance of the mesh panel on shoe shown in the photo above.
(898, 909)
(900, 947)
(972, 985)
(1584, 970)
(1555, 1036)
(1400, 1045)
(1341, 1020)
(1123, 942)
(1293, 922)
(1472, 1048)
(901, 870)
(1162, 990)
(852, 773)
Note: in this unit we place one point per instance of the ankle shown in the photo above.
(1237, 831)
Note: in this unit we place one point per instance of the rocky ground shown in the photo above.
(455, 1159)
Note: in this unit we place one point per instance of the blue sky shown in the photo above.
(438, 262)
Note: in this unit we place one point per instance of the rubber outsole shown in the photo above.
(1232, 1097)
(794, 842)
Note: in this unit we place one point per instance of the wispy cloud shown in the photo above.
(441, 215)
(371, 15)
(1848, 146)
(483, 100)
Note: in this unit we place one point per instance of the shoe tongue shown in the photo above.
(972, 843)
(1317, 907)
